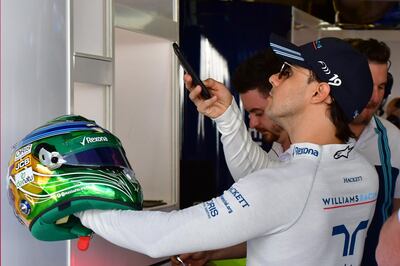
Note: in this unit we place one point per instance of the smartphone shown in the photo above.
(196, 80)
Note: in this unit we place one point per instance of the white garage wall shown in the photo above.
(33, 91)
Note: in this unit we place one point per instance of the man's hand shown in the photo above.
(201, 258)
(192, 259)
(215, 106)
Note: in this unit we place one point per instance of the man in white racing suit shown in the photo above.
(376, 138)
(311, 208)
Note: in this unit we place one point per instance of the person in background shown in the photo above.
(250, 81)
(376, 139)
(393, 112)
(277, 210)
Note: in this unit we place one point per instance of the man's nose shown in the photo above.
(274, 80)
(375, 95)
(253, 121)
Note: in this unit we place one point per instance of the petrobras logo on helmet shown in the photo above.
(334, 80)
(305, 150)
(22, 152)
(87, 140)
(68, 192)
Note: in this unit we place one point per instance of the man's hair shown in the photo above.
(337, 116)
(374, 50)
(255, 71)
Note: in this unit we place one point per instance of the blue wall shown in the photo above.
(236, 30)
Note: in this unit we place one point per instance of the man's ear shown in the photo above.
(321, 93)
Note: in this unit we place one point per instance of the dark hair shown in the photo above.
(343, 131)
(395, 120)
(255, 71)
(373, 49)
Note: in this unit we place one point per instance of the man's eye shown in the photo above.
(285, 72)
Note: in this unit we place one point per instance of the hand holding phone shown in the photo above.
(195, 79)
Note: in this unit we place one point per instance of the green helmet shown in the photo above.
(69, 165)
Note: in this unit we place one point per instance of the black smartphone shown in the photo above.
(196, 80)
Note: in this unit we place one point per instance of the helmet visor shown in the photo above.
(103, 156)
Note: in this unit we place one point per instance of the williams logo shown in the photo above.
(343, 153)
(334, 80)
(305, 150)
(349, 200)
(87, 140)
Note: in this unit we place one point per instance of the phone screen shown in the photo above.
(196, 80)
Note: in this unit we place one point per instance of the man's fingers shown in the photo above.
(210, 83)
(204, 105)
(195, 94)
(188, 81)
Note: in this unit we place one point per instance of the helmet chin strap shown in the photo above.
(83, 235)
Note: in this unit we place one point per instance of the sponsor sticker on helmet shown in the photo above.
(24, 177)
(87, 140)
(23, 151)
(25, 207)
(23, 163)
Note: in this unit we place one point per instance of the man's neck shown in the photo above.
(284, 141)
(317, 130)
(357, 129)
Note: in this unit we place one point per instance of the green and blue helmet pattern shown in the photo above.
(68, 165)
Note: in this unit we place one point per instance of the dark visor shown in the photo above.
(104, 156)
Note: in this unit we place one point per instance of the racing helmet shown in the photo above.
(70, 164)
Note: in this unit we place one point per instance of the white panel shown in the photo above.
(91, 101)
(33, 91)
(144, 21)
(90, 70)
(143, 109)
(89, 27)
(162, 8)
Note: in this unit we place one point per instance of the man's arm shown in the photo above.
(396, 204)
(242, 154)
(388, 250)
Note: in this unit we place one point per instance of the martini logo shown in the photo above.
(88, 140)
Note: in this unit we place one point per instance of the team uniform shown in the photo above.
(243, 156)
(378, 144)
(312, 207)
